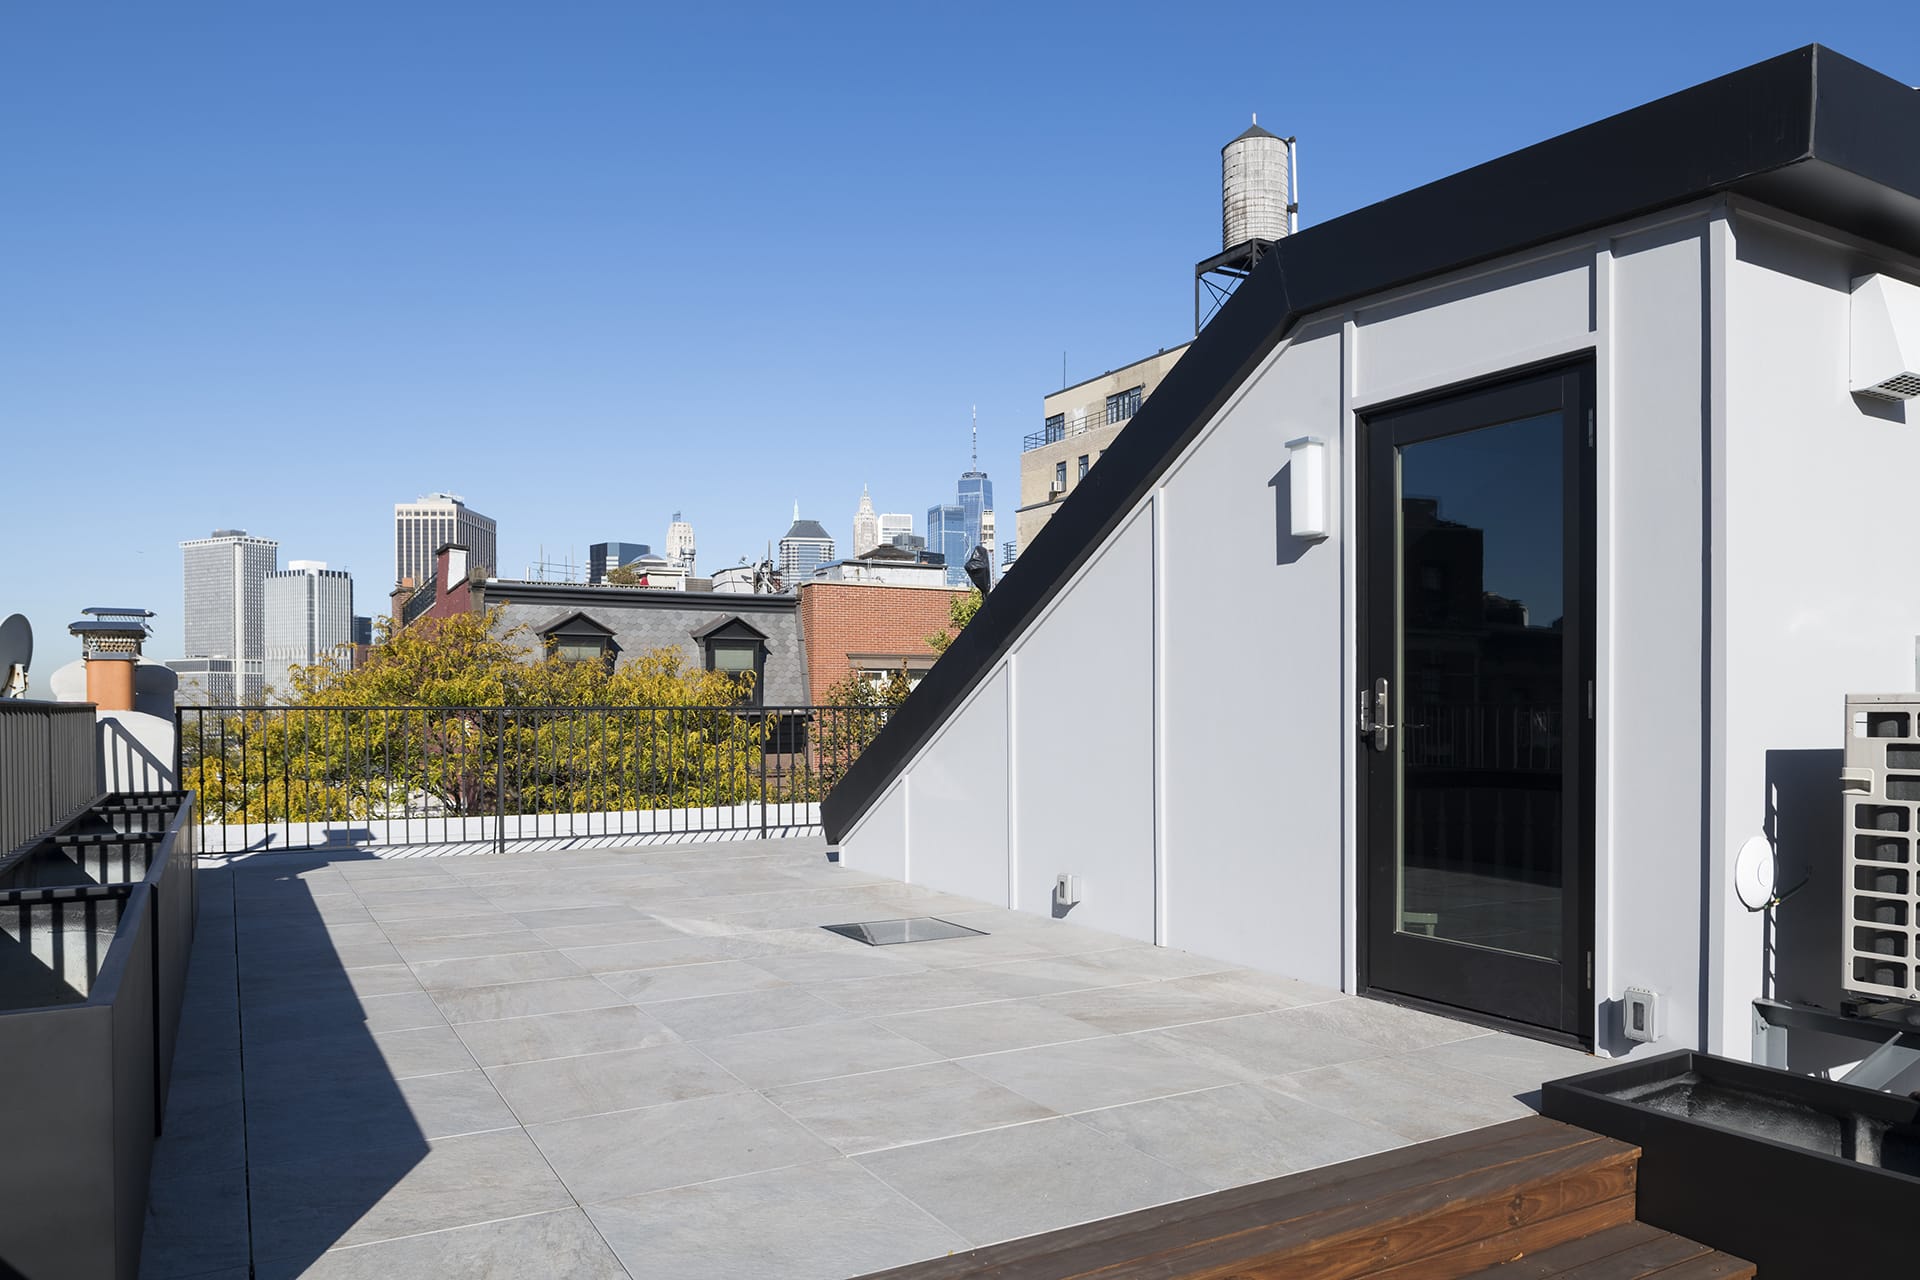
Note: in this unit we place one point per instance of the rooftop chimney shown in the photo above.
(111, 640)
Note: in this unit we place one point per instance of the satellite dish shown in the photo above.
(1753, 873)
(16, 655)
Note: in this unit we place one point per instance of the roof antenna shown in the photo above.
(1256, 117)
(796, 508)
(976, 437)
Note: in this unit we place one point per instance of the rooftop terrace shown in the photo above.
(653, 1061)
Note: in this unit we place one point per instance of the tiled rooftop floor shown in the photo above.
(653, 1062)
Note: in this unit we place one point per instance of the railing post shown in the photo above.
(500, 783)
(765, 722)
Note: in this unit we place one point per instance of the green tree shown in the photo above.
(456, 716)
(960, 611)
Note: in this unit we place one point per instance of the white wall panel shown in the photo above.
(1083, 726)
(879, 844)
(1255, 734)
(1821, 598)
(1652, 437)
(958, 798)
(1470, 326)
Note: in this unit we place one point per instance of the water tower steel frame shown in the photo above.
(1258, 207)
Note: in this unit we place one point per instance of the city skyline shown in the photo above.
(223, 604)
(309, 288)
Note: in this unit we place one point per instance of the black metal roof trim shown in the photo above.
(1753, 131)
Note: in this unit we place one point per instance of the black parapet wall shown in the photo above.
(92, 977)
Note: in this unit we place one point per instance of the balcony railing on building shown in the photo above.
(319, 776)
(1060, 427)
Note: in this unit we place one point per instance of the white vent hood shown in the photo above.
(1886, 338)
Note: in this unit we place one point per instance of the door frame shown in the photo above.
(1470, 403)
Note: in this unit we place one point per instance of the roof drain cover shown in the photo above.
(886, 933)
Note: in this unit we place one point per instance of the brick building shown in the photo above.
(869, 627)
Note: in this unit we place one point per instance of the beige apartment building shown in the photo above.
(1080, 422)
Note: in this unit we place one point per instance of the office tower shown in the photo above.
(680, 544)
(895, 525)
(805, 548)
(947, 535)
(423, 526)
(602, 556)
(866, 525)
(224, 611)
(310, 620)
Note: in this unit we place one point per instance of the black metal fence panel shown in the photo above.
(298, 777)
(49, 767)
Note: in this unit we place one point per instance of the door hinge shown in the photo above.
(1589, 699)
(1589, 428)
(1589, 970)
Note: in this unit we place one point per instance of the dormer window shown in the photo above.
(580, 639)
(738, 649)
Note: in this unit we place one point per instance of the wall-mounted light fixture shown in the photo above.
(1307, 486)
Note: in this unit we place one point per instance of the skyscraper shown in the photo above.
(806, 547)
(224, 611)
(602, 556)
(866, 525)
(947, 535)
(309, 610)
(680, 544)
(423, 526)
(959, 534)
(896, 525)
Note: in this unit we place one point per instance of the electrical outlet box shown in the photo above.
(1066, 889)
(1640, 1015)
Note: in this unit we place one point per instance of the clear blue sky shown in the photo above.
(278, 267)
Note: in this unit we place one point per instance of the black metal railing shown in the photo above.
(49, 767)
(1095, 416)
(1481, 737)
(306, 776)
(419, 602)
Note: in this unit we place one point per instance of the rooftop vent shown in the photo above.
(1886, 338)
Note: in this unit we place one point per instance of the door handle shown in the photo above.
(1376, 715)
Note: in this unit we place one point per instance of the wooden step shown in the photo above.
(1435, 1210)
(1630, 1252)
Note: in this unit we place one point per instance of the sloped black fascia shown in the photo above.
(1809, 131)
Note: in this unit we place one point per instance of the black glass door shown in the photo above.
(1476, 709)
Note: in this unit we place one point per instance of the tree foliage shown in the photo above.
(453, 717)
(960, 611)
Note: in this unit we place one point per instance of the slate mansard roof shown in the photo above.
(1809, 132)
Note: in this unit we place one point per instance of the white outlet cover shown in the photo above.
(1753, 869)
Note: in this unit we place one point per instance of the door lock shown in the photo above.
(1376, 719)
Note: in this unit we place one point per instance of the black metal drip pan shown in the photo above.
(888, 933)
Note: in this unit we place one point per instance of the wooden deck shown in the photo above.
(1524, 1200)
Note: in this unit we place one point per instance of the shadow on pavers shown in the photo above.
(285, 1124)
